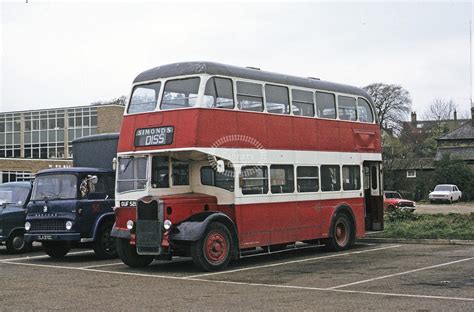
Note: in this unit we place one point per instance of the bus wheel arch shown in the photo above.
(342, 230)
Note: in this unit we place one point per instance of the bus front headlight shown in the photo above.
(167, 224)
(129, 224)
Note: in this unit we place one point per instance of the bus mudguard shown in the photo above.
(346, 209)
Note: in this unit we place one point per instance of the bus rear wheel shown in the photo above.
(128, 254)
(343, 234)
(56, 249)
(212, 251)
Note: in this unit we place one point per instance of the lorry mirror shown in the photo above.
(3, 204)
(220, 166)
(114, 163)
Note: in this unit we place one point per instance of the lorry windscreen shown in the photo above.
(13, 194)
(55, 186)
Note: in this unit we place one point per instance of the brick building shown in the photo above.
(39, 139)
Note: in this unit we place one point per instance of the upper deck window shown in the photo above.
(144, 98)
(180, 93)
(278, 101)
(364, 111)
(219, 93)
(347, 108)
(249, 96)
(302, 103)
(326, 105)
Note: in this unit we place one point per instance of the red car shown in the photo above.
(393, 200)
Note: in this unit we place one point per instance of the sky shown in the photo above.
(57, 54)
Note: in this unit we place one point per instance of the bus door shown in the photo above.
(373, 195)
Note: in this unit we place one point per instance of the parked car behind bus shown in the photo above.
(445, 192)
(393, 200)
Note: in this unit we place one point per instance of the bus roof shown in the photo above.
(211, 68)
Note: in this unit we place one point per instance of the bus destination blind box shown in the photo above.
(154, 136)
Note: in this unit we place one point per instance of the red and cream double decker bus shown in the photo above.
(214, 160)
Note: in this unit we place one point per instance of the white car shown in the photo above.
(445, 192)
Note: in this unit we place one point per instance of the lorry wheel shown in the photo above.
(105, 245)
(16, 243)
(212, 251)
(56, 249)
(128, 254)
(342, 233)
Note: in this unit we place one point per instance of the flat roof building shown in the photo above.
(39, 139)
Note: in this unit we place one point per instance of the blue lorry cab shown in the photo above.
(14, 197)
(72, 207)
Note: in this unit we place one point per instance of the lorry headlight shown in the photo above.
(68, 225)
(129, 224)
(27, 226)
(167, 224)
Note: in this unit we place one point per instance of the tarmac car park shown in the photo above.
(369, 276)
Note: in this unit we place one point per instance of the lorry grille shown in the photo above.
(47, 225)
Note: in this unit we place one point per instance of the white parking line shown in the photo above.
(400, 273)
(293, 261)
(332, 290)
(101, 265)
(45, 256)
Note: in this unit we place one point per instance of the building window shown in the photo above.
(411, 173)
(277, 99)
(249, 96)
(307, 179)
(282, 179)
(14, 176)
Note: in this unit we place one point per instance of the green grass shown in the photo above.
(435, 226)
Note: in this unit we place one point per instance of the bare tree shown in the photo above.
(440, 110)
(392, 103)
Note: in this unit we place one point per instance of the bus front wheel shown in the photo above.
(212, 251)
(343, 234)
(128, 254)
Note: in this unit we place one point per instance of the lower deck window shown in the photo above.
(254, 180)
(160, 172)
(222, 180)
(330, 178)
(307, 179)
(180, 174)
(282, 179)
(351, 178)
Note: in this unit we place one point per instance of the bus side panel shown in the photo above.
(285, 223)
(346, 137)
(328, 207)
(304, 134)
(328, 132)
(252, 126)
(309, 219)
(281, 135)
(217, 127)
(254, 222)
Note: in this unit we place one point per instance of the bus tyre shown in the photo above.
(128, 254)
(342, 233)
(104, 245)
(56, 249)
(16, 243)
(212, 251)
